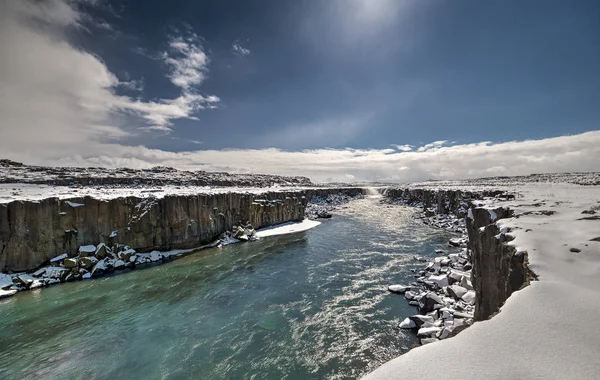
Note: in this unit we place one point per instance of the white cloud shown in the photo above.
(187, 61)
(559, 154)
(403, 148)
(54, 96)
(239, 49)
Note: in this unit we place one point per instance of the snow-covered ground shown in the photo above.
(548, 329)
(32, 192)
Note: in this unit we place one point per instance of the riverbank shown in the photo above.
(541, 330)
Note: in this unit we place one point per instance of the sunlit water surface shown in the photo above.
(312, 305)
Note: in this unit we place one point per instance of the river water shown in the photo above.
(311, 305)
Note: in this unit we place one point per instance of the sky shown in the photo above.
(337, 90)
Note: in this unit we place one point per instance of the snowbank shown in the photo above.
(287, 228)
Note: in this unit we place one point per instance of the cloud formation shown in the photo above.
(54, 95)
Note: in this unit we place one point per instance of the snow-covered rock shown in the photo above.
(398, 289)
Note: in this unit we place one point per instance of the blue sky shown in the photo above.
(463, 71)
(187, 76)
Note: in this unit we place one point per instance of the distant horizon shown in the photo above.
(337, 91)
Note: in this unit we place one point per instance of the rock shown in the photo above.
(39, 272)
(429, 340)
(86, 250)
(439, 250)
(440, 281)
(58, 259)
(428, 331)
(420, 258)
(419, 319)
(409, 295)
(86, 276)
(575, 250)
(407, 323)
(456, 291)
(413, 303)
(469, 297)
(25, 280)
(99, 268)
(126, 255)
(56, 273)
(466, 283)
(119, 264)
(398, 289)
(456, 242)
(430, 302)
(6, 281)
(88, 261)
(70, 263)
(101, 251)
(444, 333)
(7, 293)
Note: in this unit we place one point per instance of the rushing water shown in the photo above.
(312, 305)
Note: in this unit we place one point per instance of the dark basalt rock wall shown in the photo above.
(32, 232)
(498, 268)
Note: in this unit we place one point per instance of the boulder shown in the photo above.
(469, 297)
(119, 264)
(456, 291)
(440, 281)
(126, 255)
(70, 263)
(99, 268)
(398, 289)
(407, 323)
(409, 295)
(101, 251)
(86, 250)
(428, 331)
(39, 272)
(430, 302)
(88, 261)
(25, 280)
(58, 259)
(419, 319)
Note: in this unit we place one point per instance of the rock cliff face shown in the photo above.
(32, 232)
(498, 269)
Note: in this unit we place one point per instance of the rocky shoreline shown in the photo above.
(92, 261)
(448, 291)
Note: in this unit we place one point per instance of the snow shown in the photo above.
(58, 258)
(35, 192)
(87, 249)
(7, 293)
(287, 228)
(73, 204)
(113, 234)
(542, 331)
(5, 280)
